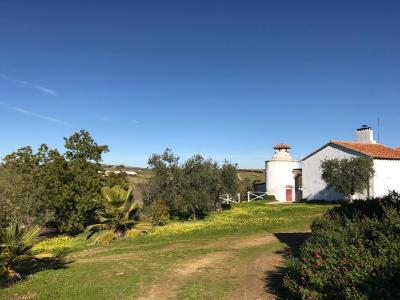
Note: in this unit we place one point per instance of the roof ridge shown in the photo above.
(361, 143)
(376, 151)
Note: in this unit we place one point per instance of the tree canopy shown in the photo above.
(349, 175)
(53, 188)
(191, 189)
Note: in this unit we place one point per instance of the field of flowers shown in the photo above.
(244, 217)
(240, 218)
(56, 244)
(61, 244)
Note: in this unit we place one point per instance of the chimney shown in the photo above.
(365, 135)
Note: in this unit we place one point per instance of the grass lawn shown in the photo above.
(226, 255)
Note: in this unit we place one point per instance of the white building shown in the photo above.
(129, 173)
(386, 165)
(279, 177)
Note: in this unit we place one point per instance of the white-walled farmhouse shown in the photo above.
(386, 162)
(314, 188)
(287, 182)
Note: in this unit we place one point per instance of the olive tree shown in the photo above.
(191, 189)
(348, 175)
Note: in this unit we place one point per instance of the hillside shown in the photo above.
(143, 174)
(233, 254)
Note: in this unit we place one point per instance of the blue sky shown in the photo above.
(226, 79)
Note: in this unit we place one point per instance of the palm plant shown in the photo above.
(116, 213)
(16, 243)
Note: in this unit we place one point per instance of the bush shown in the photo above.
(353, 253)
(104, 238)
(159, 213)
(133, 234)
(225, 206)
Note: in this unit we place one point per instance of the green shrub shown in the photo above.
(159, 213)
(225, 205)
(104, 238)
(353, 253)
(133, 234)
(140, 229)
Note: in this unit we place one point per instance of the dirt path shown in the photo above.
(252, 275)
(252, 283)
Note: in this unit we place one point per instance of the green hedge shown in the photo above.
(353, 253)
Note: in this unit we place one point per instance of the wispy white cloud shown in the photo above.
(23, 82)
(45, 90)
(108, 119)
(33, 114)
(105, 119)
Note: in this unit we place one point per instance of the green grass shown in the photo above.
(219, 281)
(128, 269)
(244, 218)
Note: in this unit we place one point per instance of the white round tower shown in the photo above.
(279, 174)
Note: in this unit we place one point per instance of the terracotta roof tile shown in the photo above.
(372, 150)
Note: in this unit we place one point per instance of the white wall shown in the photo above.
(314, 188)
(279, 173)
(387, 176)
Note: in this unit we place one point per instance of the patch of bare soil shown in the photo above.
(254, 241)
(114, 257)
(252, 283)
(250, 288)
(169, 286)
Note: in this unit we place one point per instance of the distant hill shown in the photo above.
(251, 174)
(143, 174)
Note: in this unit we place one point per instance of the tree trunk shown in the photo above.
(11, 274)
(216, 200)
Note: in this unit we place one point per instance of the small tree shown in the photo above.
(349, 175)
(117, 211)
(228, 182)
(166, 183)
(16, 243)
(200, 184)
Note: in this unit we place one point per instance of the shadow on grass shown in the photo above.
(29, 267)
(274, 278)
